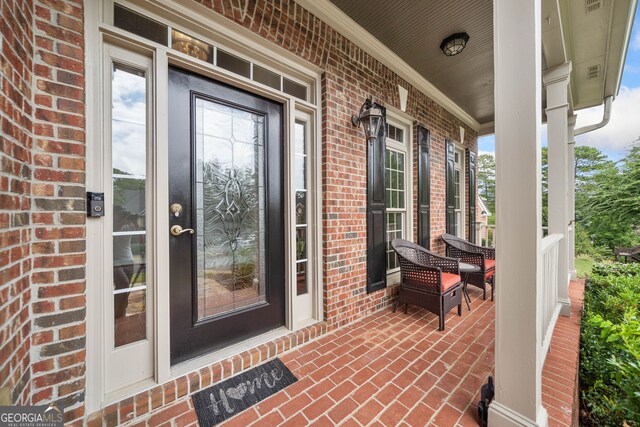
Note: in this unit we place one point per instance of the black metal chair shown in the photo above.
(427, 280)
(482, 256)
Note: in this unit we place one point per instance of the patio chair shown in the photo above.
(482, 256)
(632, 252)
(427, 280)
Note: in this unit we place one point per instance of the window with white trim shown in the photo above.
(397, 198)
(459, 179)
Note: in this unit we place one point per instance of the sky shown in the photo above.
(623, 127)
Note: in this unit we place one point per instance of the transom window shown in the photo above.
(161, 33)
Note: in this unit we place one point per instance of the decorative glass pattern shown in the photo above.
(129, 153)
(230, 211)
(302, 228)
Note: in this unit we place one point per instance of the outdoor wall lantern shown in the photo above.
(370, 117)
(454, 44)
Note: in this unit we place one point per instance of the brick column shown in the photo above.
(16, 141)
(58, 345)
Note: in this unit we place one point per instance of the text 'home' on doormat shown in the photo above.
(221, 401)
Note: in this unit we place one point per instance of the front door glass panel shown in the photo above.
(230, 195)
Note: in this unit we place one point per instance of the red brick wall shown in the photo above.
(42, 302)
(16, 141)
(43, 162)
(58, 343)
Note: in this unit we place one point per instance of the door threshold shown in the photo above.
(227, 352)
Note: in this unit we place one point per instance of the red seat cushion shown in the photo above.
(488, 275)
(449, 280)
(489, 264)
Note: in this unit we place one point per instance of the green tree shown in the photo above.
(487, 180)
(608, 202)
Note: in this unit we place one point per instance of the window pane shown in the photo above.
(191, 46)
(140, 25)
(267, 77)
(128, 121)
(301, 207)
(301, 243)
(129, 142)
(301, 278)
(395, 229)
(233, 63)
(131, 318)
(301, 171)
(300, 138)
(294, 89)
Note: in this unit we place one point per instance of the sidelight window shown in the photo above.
(129, 171)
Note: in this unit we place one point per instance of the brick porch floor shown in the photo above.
(392, 369)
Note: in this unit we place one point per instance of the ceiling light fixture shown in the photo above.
(454, 44)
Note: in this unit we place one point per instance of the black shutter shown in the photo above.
(472, 196)
(450, 164)
(424, 188)
(376, 218)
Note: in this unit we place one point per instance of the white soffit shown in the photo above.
(596, 34)
(341, 22)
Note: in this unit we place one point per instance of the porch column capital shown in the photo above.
(556, 82)
(559, 74)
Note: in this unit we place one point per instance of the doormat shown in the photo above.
(221, 401)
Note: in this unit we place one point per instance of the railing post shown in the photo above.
(556, 81)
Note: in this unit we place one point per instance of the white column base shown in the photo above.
(573, 274)
(502, 416)
(565, 307)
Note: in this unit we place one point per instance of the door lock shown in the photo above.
(176, 209)
(176, 230)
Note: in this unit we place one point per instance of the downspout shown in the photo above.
(605, 118)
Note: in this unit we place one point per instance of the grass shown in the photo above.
(583, 266)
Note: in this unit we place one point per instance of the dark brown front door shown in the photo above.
(226, 173)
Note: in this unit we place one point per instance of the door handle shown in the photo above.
(176, 230)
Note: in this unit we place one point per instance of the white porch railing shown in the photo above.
(485, 234)
(550, 304)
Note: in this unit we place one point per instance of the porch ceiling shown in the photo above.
(593, 34)
(414, 29)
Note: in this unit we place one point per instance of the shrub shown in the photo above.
(610, 346)
(616, 269)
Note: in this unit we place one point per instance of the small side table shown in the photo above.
(466, 270)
